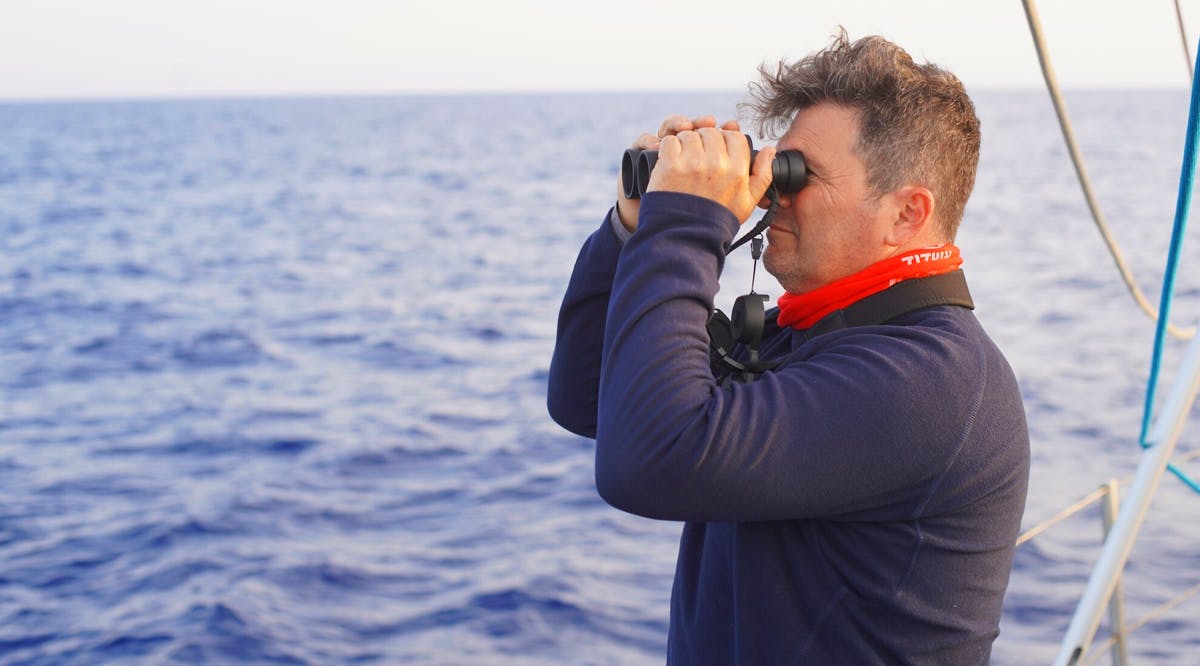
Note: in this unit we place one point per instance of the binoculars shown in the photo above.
(788, 172)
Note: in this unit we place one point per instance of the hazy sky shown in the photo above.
(156, 48)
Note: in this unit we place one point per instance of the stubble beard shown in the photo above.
(785, 269)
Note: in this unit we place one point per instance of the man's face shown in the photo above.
(832, 227)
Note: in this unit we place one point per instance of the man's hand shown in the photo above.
(715, 164)
(627, 209)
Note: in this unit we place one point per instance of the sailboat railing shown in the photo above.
(1108, 495)
(1117, 545)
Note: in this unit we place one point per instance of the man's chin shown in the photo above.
(772, 266)
(788, 276)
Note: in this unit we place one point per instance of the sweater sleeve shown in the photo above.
(575, 365)
(860, 425)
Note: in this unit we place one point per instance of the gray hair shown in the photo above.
(916, 122)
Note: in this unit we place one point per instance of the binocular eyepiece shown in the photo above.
(788, 173)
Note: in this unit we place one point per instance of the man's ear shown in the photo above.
(914, 207)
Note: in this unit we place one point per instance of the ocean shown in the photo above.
(273, 374)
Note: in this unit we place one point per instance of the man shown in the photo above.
(858, 503)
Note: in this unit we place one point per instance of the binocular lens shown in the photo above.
(788, 173)
(629, 173)
(645, 164)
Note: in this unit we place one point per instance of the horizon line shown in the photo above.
(285, 95)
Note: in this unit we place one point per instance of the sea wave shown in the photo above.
(275, 377)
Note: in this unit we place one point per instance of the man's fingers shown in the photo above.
(646, 141)
(712, 162)
(670, 147)
(760, 172)
(713, 140)
(674, 125)
(690, 145)
(735, 144)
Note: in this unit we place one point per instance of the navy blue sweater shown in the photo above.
(857, 505)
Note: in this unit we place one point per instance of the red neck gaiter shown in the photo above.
(801, 311)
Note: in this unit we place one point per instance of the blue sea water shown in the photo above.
(273, 372)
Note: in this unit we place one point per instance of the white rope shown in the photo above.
(1187, 50)
(1084, 502)
(1035, 28)
(1057, 518)
(1155, 614)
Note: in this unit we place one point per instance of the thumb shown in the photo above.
(760, 173)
